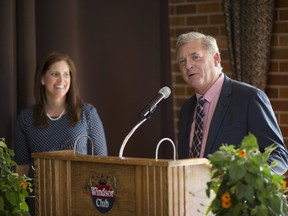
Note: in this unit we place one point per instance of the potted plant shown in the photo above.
(13, 189)
(243, 184)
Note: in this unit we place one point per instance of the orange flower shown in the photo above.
(225, 197)
(226, 204)
(284, 185)
(226, 200)
(242, 153)
(23, 185)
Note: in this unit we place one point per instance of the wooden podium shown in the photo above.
(140, 187)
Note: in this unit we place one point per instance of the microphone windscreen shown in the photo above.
(166, 91)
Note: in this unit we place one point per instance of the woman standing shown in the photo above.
(58, 117)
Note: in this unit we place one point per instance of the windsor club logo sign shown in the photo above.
(102, 189)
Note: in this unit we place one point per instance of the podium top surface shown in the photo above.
(68, 155)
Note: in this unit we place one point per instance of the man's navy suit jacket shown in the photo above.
(241, 109)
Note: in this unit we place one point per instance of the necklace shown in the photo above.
(57, 118)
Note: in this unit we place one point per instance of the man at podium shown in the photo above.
(222, 110)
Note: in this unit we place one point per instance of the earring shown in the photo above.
(42, 82)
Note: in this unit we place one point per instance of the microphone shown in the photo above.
(145, 113)
(151, 106)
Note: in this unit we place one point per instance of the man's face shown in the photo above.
(198, 67)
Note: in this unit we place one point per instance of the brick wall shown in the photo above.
(207, 16)
(277, 86)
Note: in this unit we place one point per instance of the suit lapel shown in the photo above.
(219, 114)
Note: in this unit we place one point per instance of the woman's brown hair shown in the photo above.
(73, 103)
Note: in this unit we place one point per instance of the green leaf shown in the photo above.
(277, 180)
(12, 198)
(236, 172)
(268, 151)
(2, 144)
(250, 177)
(263, 195)
(260, 210)
(244, 192)
(24, 206)
(240, 190)
(276, 204)
(249, 142)
(258, 184)
(218, 158)
(249, 196)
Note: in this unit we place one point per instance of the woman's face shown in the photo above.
(57, 80)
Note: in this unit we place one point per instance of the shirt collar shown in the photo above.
(214, 90)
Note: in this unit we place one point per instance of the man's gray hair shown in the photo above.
(209, 42)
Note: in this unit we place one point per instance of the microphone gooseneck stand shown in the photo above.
(129, 135)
